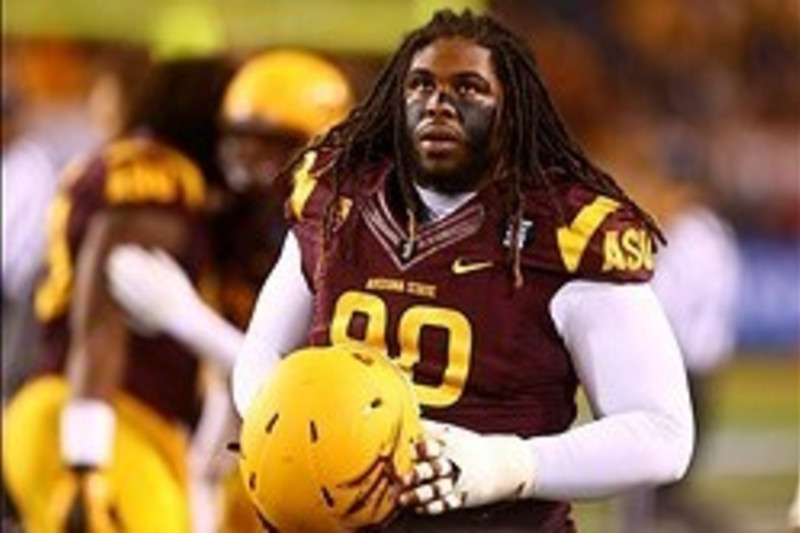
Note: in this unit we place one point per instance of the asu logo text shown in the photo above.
(623, 249)
(631, 249)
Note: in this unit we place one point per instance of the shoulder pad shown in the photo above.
(601, 239)
(313, 187)
(143, 171)
(304, 181)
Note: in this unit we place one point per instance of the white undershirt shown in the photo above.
(621, 346)
(438, 205)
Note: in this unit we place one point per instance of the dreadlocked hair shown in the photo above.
(533, 138)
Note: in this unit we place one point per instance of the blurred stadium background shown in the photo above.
(690, 89)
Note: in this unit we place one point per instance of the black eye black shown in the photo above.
(469, 87)
(419, 83)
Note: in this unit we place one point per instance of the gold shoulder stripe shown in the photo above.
(303, 184)
(573, 239)
(53, 294)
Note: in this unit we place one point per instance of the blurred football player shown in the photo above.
(97, 442)
(697, 281)
(277, 102)
(45, 123)
(452, 222)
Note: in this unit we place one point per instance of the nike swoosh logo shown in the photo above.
(462, 267)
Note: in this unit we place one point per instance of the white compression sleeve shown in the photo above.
(631, 370)
(279, 324)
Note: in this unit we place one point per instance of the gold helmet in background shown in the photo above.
(288, 89)
(326, 440)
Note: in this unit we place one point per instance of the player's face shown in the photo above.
(452, 99)
(251, 160)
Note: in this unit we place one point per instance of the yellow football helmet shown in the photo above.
(327, 439)
(290, 89)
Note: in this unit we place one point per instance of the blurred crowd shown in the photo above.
(692, 94)
(693, 89)
(704, 90)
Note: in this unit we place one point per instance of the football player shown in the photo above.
(453, 222)
(277, 102)
(697, 280)
(97, 442)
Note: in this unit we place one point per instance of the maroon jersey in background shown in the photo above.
(247, 236)
(130, 173)
(482, 354)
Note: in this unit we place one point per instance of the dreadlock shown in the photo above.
(532, 140)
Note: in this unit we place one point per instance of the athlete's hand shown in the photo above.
(455, 468)
(151, 287)
(84, 503)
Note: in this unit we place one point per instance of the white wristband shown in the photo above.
(493, 468)
(514, 465)
(87, 432)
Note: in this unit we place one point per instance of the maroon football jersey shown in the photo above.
(482, 354)
(247, 234)
(134, 172)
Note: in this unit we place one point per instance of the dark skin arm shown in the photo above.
(98, 351)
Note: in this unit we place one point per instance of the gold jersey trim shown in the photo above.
(573, 239)
(303, 185)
